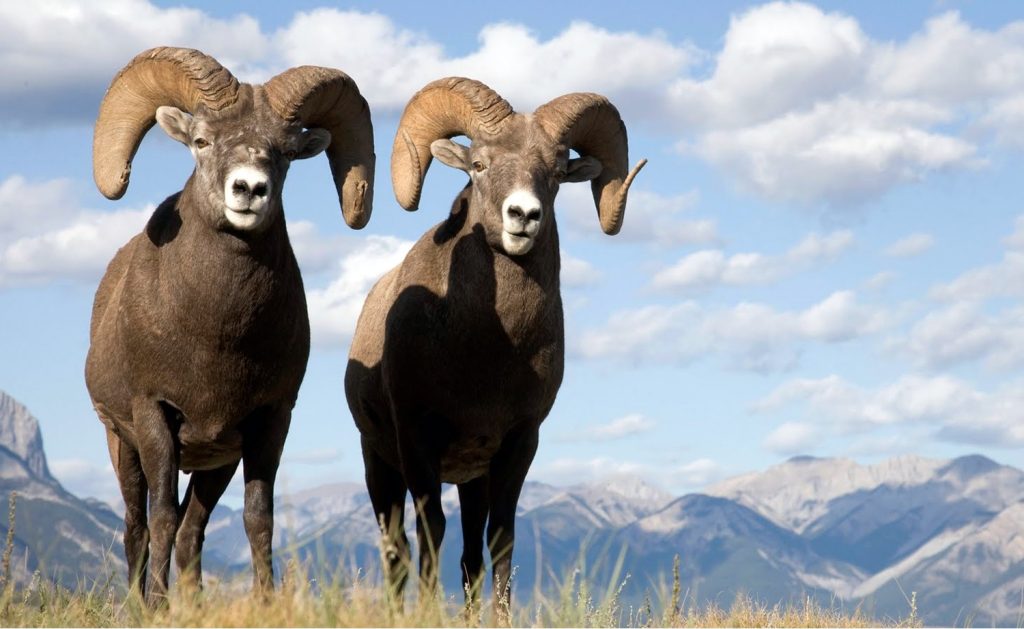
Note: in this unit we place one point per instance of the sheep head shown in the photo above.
(515, 162)
(242, 136)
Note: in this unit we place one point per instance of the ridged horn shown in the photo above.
(328, 99)
(591, 125)
(442, 109)
(181, 77)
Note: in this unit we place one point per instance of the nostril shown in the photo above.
(533, 215)
(259, 189)
(515, 211)
(240, 186)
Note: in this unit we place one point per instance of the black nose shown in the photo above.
(241, 186)
(516, 212)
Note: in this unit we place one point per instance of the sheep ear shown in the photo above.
(175, 123)
(582, 169)
(313, 142)
(450, 154)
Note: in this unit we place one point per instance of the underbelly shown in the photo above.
(207, 453)
(468, 459)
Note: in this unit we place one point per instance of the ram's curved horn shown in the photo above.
(329, 99)
(442, 109)
(181, 77)
(591, 125)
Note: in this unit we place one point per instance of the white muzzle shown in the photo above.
(246, 197)
(521, 215)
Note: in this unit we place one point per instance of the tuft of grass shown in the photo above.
(300, 603)
(353, 600)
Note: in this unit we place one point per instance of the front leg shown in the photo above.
(263, 436)
(508, 473)
(158, 453)
(421, 468)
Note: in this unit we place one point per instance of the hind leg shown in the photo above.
(204, 490)
(125, 459)
(473, 502)
(387, 491)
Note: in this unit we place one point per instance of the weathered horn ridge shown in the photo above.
(180, 77)
(329, 99)
(442, 109)
(591, 125)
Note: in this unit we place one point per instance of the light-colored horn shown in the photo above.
(591, 125)
(442, 109)
(329, 99)
(181, 77)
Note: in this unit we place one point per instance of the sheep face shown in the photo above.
(515, 179)
(242, 158)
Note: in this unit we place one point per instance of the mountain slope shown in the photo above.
(63, 537)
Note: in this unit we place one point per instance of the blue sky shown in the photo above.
(825, 254)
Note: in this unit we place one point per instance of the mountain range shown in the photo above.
(846, 533)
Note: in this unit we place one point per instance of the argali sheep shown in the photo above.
(458, 353)
(200, 335)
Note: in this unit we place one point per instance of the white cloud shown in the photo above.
(619, 428)
(60, 55)
(951, 408)
(962, 333)
(799, 105)
(710, 267)
(650, 217)
(1016, 239)
(802, 106)
(1002, 279)
(695, 474)
(87, 479)
(792, 438)
(749, 336)
(841, 152)
(576, 272)
(390, 62)
(879, 281)
(912, 245)
(568, 471)
(52, 238)
(334, 310)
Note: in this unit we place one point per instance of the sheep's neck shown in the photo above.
(234, 277)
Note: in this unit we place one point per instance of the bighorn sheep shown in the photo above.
(199, 334)
(458, 352)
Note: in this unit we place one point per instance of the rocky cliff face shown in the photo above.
(63, 537)
(19, 433)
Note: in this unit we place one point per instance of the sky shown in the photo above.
(824, 255)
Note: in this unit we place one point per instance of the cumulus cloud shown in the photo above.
(577, 273)
(803, 106)
(59, 56)
(792, 438)
(749, 336)
(48, 236)
(711, 267)
(962, 333)
(650, 217)
(1002, 279)
(912, 245)
(799, 104)
(951, 408)
(689, 476)
(619, 428)
(334, 309)
(89, 479)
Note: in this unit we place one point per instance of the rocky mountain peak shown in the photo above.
(19, 433)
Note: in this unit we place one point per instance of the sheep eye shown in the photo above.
(201, 143)
(560, 174)
(290, 155)
(479, 167)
